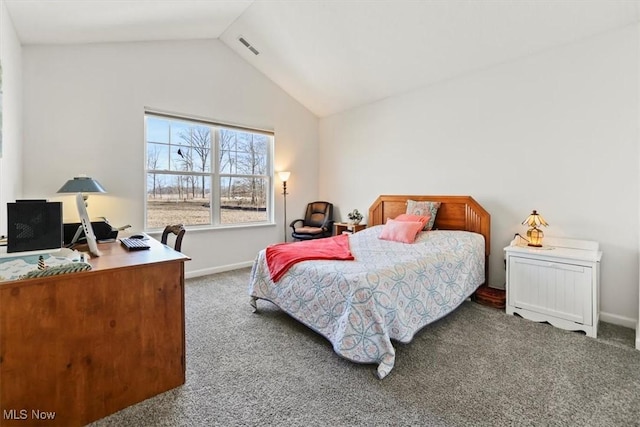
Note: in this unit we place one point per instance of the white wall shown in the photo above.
(556, 132)
(84, 114)
(11, 158)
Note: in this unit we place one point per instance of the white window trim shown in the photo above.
(215, 175)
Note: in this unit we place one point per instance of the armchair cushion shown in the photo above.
(308, 230)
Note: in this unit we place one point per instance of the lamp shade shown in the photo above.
(82, 184)
(535, 220)
(284, 175)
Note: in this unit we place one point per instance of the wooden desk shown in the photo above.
(77, 347)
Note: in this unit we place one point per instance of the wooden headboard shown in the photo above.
(455, 213)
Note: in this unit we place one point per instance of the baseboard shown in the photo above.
(618, 320)
(214, 270)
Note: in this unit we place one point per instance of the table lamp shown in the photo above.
(82, 184)
(534, 234)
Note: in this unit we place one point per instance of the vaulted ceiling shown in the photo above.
(336, 55)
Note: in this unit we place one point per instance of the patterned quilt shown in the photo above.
(389, 292)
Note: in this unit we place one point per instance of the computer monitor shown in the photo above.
(86, 226)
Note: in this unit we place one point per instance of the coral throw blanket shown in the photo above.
(281, 256)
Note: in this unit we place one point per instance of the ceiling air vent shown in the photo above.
(248, 45)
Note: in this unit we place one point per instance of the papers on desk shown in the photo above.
(13, 266)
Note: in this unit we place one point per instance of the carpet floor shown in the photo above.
(476, 367)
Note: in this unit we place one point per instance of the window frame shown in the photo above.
(214, 174)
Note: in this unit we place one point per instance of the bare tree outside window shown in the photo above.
(186, 159)
(199, 140)
(153, 157)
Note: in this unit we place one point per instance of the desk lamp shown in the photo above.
(82, 184)
(534, 234)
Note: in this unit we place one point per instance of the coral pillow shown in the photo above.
(424, 208)
(401, 231)
(424, 219)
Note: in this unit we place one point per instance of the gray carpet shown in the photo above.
(476, 367)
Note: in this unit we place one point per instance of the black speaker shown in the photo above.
(34, 225)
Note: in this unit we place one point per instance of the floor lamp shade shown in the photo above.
(284, 175)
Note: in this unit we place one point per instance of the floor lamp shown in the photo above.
(284, 176)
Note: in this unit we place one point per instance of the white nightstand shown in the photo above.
(558, 283)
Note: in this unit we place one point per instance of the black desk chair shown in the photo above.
(316, 224)
(178, 230)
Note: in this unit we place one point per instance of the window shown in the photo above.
(201, 173)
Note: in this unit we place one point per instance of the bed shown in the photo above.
(390, 290)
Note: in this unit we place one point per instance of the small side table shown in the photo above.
(344, 228)
(558, 283)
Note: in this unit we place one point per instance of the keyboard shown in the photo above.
(134, 244)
